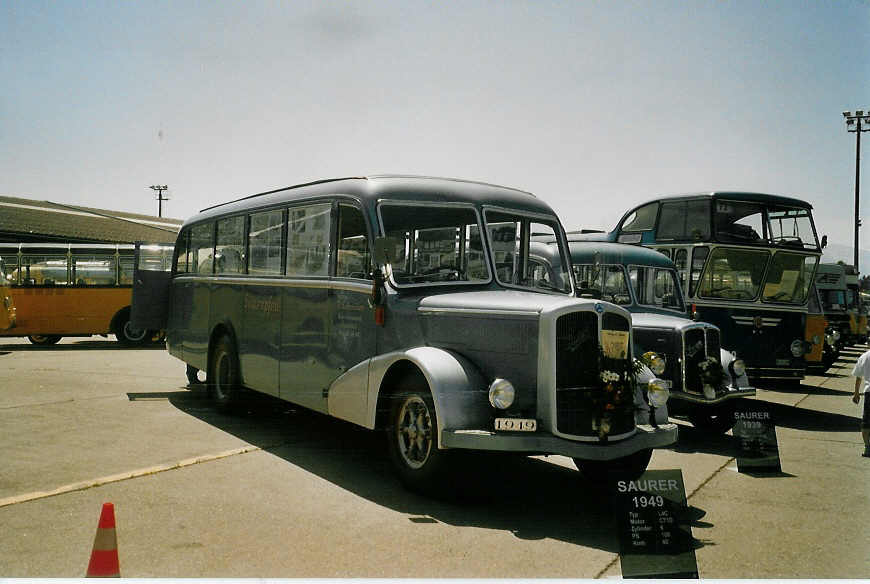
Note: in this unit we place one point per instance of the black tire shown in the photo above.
(605, 472)
(129, 336)
(713, 420)
(223, 378)
(44, 340)
(412, 439)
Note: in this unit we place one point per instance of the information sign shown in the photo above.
(655, 537)
(755, 433)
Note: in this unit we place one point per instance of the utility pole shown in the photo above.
(854, 124)
(160, 199)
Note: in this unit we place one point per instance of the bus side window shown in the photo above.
(353, 260)
(680, 261)
(202, 248)
(699, 256)
(264, 243)
(229, 255)
(181, 263)
(308, 240)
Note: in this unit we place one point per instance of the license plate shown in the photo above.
(781, 362)
(516, 424)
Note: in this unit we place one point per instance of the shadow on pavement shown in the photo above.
(104, 345)
(810, 389)
(528, 497)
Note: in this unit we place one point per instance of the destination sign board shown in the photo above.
(755, 434)
(655, 537)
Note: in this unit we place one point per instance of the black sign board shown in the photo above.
(655, 537)
(755, 434)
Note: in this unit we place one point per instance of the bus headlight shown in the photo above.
(836, 335)
(657, 392)
(797, 348)
(738, 368)
(501, 394)
(654, 361)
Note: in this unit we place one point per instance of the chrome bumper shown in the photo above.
(700, 399)
(541, 443)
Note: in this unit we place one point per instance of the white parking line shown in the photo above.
(80, 486)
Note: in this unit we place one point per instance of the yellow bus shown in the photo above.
(67, 290)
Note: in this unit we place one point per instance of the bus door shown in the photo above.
(305, 366)
(260, 344)
(151, 273)
(352, 339)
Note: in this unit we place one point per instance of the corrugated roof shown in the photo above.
(28, 220)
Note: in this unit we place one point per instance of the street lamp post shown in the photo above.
(854, 124)
(160, 199)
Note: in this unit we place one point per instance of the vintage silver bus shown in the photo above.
(413, 305)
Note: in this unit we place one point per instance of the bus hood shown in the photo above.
(508, 302)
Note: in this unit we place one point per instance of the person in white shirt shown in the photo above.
(861, 372)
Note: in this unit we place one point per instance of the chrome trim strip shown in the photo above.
(477, 312)
(697, 399)
(361, 287)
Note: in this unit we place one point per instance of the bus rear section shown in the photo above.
(62, 290)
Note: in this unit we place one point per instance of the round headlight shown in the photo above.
(501, 394)
(657, 392)
(836, 335)
(797, 348)
(654, 361)
(738, 367)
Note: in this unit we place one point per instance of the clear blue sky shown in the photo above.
(593, 106)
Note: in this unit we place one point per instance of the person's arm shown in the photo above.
(856, 397)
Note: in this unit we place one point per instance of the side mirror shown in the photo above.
(824, 241)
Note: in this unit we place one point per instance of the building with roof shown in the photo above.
(26, 220)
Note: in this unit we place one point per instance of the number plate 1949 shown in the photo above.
(516, 424)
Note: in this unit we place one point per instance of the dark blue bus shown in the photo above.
(746, 261)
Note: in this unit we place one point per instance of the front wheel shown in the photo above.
(44, 340)
(412, 438)
(223, 378)
(602, 472)
(716, 420)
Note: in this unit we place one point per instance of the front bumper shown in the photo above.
(694, 398)
(543, 443)
(774, 373)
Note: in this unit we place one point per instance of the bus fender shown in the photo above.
(219, 329)
(459, 390)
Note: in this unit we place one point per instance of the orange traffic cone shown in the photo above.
(104, 557)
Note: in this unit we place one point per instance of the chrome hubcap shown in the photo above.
(133, 334)
(414, 432)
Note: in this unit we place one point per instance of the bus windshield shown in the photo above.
(789, 278)
(755, 223)
(733, 273)
(434, 244)
(656, 287)
(607, 282)
(521, 262)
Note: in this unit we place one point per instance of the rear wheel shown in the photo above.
(603, 472)
(128, 335)
(44, 340)
(715, 420)
(224, 381)
(412, 438)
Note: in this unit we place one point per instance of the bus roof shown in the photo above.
(734, 196)
(370, 189)
(583, 252)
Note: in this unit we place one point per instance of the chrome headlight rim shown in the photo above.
(502, 393)
(657, 392)
(655, 361)
(797, 348)
(738, 368)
